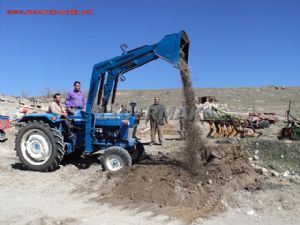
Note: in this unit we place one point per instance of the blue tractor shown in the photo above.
(42, 141)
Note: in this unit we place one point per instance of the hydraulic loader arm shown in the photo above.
(105, 75)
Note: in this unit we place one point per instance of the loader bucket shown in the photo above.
(173, 47)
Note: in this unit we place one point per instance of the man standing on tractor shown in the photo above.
(56, 106)
(75, 99)
(157, 114)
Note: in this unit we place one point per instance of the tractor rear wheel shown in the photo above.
(39, 147)
(116, 158)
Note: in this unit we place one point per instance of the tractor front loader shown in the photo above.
(42, 141)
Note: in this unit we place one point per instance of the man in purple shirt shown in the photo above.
(75, 99)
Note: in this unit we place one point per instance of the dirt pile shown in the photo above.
(163, 181)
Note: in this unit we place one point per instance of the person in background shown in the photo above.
(75, 99)
(157, 114)
(209, 109)
(123, 109)
(182, 118)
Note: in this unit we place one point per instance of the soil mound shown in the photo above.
(164, 181)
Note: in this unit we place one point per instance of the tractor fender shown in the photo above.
(49, 118)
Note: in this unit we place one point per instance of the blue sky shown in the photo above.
(234, 43)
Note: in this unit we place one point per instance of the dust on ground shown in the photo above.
(164, 180)
(81, 193)
(276, 203)
(35, 198)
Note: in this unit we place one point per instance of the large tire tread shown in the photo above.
(55, 138)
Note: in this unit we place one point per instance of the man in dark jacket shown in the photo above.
(157, 114)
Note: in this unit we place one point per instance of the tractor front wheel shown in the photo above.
(39, 147)
(116, 158)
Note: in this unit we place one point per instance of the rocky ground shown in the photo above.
(245, 181)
